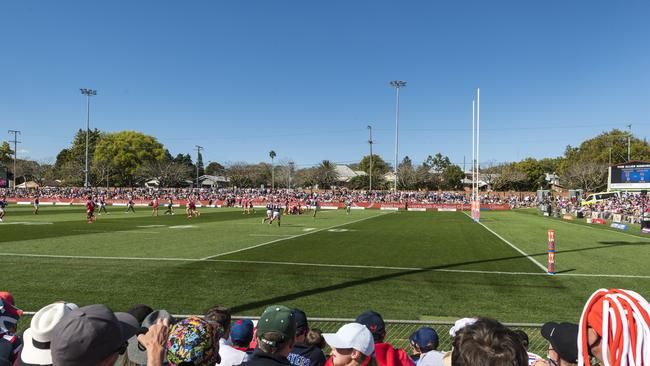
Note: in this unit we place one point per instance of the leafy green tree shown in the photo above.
(325, 175)
(71, 162)
(438, 162)
(215, 168)
(127, 151)
(452, 177)
(379, 166)
(407, 176)
(6, 154)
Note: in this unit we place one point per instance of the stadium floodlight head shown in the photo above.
(88, 92)
(398, 83)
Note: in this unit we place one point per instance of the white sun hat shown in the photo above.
(352, 335)
(36, 339)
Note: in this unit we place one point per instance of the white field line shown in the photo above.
(269, 235)
(596, 228)
(325, 265)
(290, 237)
(511, 245)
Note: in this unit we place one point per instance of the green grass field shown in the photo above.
(406, 265)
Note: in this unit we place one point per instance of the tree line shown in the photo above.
(129, 158)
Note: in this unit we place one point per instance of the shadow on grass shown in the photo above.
(81, 227)
(363, 281)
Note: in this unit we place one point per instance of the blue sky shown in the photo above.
(305, 78)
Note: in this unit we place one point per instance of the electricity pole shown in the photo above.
(15, 141)
(198, 153)
(370, 143)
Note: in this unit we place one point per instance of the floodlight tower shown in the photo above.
(88, 93)
(397, 84)
(370, 142)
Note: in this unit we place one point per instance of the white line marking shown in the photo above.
(269, 235)
(137, 231)
(511, 245)
(291, 237)
(596, 228)
(326, 265)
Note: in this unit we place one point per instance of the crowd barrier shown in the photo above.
(410, 206)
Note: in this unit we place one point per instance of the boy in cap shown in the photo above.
(241, 335)
(562, 344)
(303, 354)
(276, 330)
(9, 316)
(352, 345)
(385, 353)
(425, 342)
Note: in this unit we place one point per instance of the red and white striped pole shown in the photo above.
(551, 252)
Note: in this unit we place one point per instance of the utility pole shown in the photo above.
(629, 136)
(198, 153)
(15, 141)
(370, 142)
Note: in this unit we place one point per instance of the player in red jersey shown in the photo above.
(90, 210)
(154, 206)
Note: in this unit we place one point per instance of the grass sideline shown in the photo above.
(406, 265)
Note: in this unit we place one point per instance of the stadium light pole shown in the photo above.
(370, 143)
(397, 84)
(198, 153)
(88, 93)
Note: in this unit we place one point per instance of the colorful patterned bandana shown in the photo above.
(192, 340)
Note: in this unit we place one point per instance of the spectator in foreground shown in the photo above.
(425, 343)
(303, 354)
(352, 345)
(91, 336)
(136, 353)
(9, 316)
(276, 330)
(523, 337)
(37, 338)
(562, 344)
(241, 335)
(614, 328)
(315, 338)
(193, 341)
(487, 343)
(385, 353)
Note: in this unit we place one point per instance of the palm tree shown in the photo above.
(272, 155)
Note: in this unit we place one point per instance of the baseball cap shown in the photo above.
(352, 335)
(9, 313)
(140, 311)
(37, 338)
(241, 331)
(277, 318)
(88, 335)
(373, 321)
(301, 320)
(136, 352)
(193, 340)
(424, 338)
(564, 339)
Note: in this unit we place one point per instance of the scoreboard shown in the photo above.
(633, 176)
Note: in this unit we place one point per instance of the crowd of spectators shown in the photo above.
(236, 195)
(613, 329)
(630, 206)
